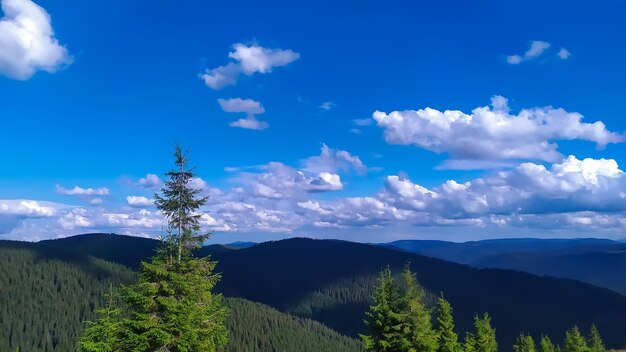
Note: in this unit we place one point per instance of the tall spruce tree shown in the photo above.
(384, 319)
(574, 341)
(447, 338)
(180, 203)
(594, 341)
(417, 324)
(172, 307)
(524, 343)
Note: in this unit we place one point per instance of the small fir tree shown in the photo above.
(383, 319)
(417, 325)
(574, 341)
(485, 336)
(447, 339)
(594, 341)
(524, 343)
(546, 344)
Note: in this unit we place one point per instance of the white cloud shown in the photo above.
(26, 208)
(250, 123)
(570, 186)
(492, 134)
(14, 211)
(82, 219)
(78, 191)
(27, 42)
(248, 106)
(333, 160)
(139, 201)
(537, 48)
(151, 181)
(327, 105)
(250, 59)
(363, 122)
(279, 181)
(564, 54)
(254, 58)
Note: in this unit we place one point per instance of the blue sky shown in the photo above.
(277, 102)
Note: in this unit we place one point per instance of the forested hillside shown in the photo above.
(331, 281)
(46, 293)
(256, 327)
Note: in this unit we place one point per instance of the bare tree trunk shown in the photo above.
(180, 211)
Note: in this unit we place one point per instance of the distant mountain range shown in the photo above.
(331, 281)
(596, 261)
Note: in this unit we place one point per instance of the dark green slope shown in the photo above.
(258, 328)
(45, 294)
(331, 281)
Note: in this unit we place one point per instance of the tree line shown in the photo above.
(400, 321)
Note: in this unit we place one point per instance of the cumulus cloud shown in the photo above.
(248, 106)
(333, 160)
(327, 105)
(151, 181)
(492, 134)
(84, 219)
(27, 42)
(79, 191)
(249, 59)
(564, 54)
(139, 201)
(535, 50)
(571, 194)
(570, 186)
(14, 211)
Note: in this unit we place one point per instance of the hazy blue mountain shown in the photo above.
(596, 261)
(241, 244)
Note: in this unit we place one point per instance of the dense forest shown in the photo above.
(256, 328)
(46, 294)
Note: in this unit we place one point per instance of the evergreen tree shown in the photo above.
(546, 344)
(180, 203)
(172, 307)
(447, 339)
(469, 345)
(574, 341)
(594, 341)
(384, 320)
(417, 325)
(103, 336)
(524, 343)
(484, 339)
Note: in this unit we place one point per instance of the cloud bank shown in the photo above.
(492, 134)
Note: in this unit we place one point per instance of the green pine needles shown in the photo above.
(172, 307)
